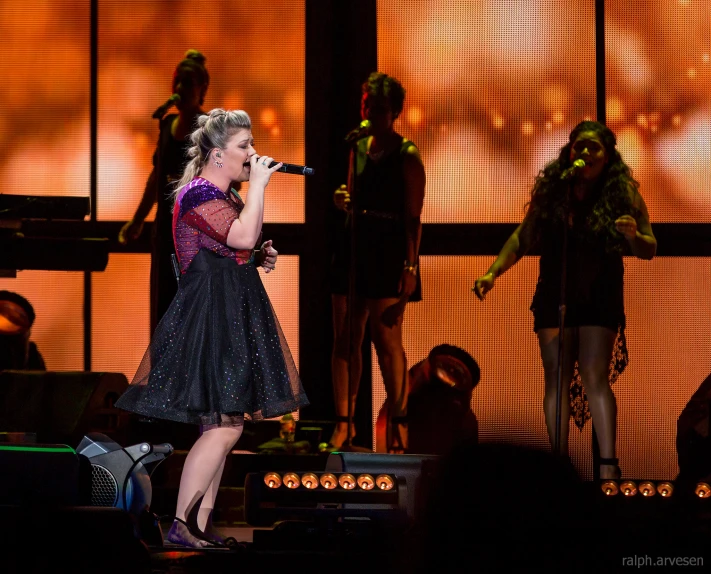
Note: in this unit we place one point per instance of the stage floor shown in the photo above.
(305, 551)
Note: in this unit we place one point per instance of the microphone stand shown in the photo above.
(561, 321)
(350, 296)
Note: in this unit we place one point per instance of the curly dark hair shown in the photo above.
(548, 197)
(380, 84)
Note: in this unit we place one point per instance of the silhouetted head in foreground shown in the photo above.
(497, 507)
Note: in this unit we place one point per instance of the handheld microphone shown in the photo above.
(171, 101)
(359, 133)
(295, 169)
(578, 164)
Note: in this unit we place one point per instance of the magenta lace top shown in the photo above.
(202, 217)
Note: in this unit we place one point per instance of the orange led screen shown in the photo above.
(493, 89)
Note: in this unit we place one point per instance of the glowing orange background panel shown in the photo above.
(658, 78)
(493, 89)
(44, 127)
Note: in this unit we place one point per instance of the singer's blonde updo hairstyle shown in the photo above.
(213, 130)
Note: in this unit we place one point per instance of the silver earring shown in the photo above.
(218, 163)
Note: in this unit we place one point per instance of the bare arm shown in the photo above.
(414, 174)
(515, 247)
(132, 229)
(149, 198)
(247, 228)
(638, 232)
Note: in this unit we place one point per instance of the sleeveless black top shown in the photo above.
(594, 275)
(379, 210)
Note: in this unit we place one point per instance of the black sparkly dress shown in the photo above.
(218, 352)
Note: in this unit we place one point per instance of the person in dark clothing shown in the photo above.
(588, 190)
(383, 201)
(190, 82)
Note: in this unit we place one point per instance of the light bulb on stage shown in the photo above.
(609, 487)
(291, 480)
(647, 488)
(347, 481)
(665, 489)
(384, 482)
(272, 480)
(366, 482)
(329, 481)
(628, 488)
(703, 490)
(309, 480)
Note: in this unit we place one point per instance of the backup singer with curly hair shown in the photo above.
(606, 218)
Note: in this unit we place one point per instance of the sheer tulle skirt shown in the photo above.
(218, 350)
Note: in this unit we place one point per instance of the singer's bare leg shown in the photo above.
(548, 343)
(387, 339)
(596, 344)
(340, 363)
(205, 459)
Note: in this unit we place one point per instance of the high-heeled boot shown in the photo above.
(332, 446)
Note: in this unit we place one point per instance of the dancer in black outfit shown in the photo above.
(385, 194)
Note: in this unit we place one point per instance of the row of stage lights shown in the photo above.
(329, 481)
(647, 488)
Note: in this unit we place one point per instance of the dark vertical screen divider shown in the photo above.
(340, 53)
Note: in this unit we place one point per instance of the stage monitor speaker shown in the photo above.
(416, 470)
(61, 407)
(42, 476)
(121, 477)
